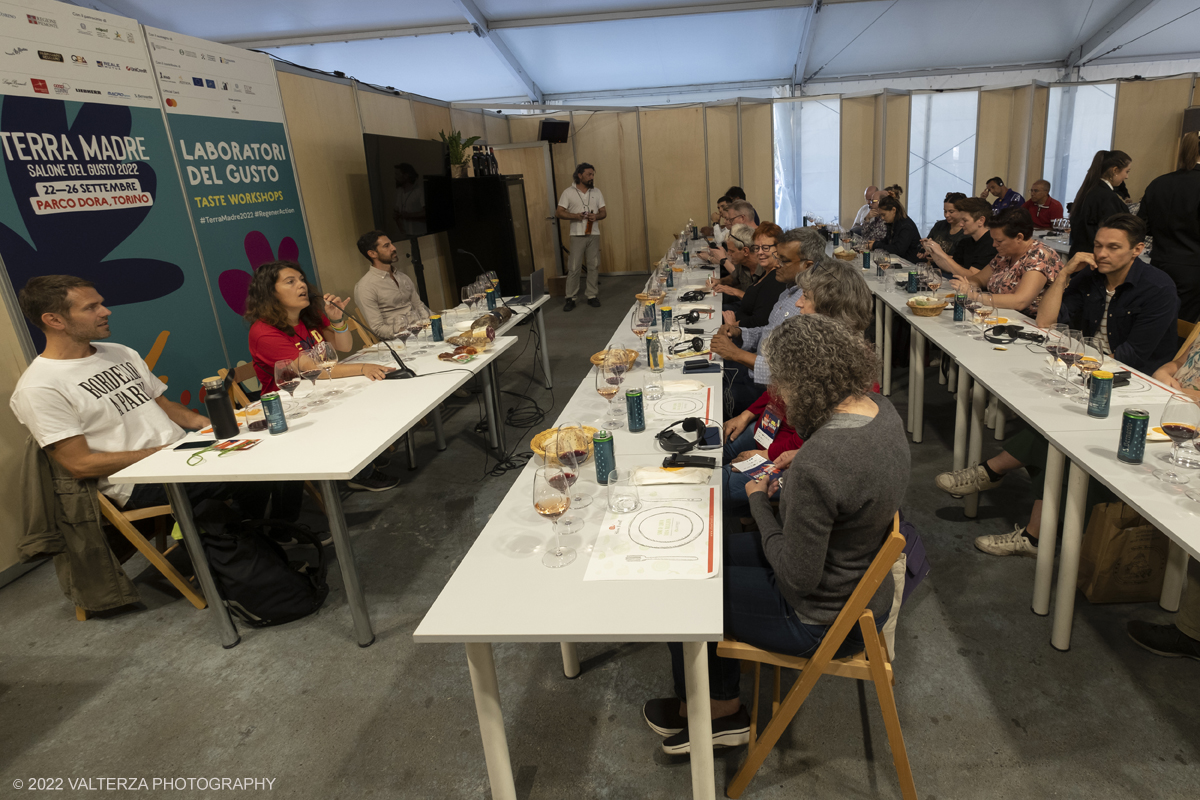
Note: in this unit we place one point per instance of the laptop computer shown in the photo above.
(537, 288)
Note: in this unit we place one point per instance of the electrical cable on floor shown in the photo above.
(524, 419)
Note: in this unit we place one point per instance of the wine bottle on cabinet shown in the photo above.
(495, 165)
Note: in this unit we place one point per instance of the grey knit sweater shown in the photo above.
(836, 504)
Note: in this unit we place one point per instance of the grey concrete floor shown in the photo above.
(989, 709)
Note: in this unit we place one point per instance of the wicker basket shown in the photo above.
(926, 311)
(846, 256)
(538, 443)
(630, 355)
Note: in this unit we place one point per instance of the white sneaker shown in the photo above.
(1007, 544)
(966, 481)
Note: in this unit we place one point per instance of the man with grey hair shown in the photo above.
(872, 227)
(747, 270)
(861, 216)
(746, 372)
(1043, 208)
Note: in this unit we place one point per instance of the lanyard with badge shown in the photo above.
(768, 426)
(587, 209)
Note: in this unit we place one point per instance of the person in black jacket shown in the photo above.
(903, 239)
(1096, 199)
(1171, 210)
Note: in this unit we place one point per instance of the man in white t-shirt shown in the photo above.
(94, 407)
(861, 216)
(584, 206)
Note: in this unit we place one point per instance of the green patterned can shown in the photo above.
(1135, 423)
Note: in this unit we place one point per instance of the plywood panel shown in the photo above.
(879, 136)
(530, 164)
(758, 158)
(1195, 91)
(332, 170)
(1019, 138)
(497, 129)
(993, 138)
(672, 150)
(608, 141)
(469, 122)
(1037, 137)
(431, 119)
(857, 153)
(721, 125)
(896, 141)
(12, 442)
(387, 115)
(1149, 117)
(523, 128)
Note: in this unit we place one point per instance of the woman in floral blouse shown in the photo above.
(1022, 269)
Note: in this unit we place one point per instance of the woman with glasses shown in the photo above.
(759, 299)
(902, 237)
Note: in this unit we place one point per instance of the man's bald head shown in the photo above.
(870, 192)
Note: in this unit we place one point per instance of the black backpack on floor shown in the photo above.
(257, 583)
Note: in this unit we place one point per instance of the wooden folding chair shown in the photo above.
(157, 556)
(1183, 328)
(871, 665)
(245, 372)
(358, 326)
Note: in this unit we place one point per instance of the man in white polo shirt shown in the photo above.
(583, 204)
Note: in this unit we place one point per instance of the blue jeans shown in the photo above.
(757, 614)
(733, 484)
(740, 389)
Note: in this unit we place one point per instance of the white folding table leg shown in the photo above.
(570, 657)
(540, 321)
(917, 376)
(912, 383)
(345, 557)
(975, 446)
(491, 720)
(1001, 420)
(942, 379)
(879, 306)
(1043, 576)
(489, 408)
(181, 507)
(887, 350)
(962, 404)
(695, 676)
(1175, 579)
(439, 433)
(990, 415)
(1068, 562)
(952, 376)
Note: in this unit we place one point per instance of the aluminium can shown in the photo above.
(273, 407)
(606, 460)
(435, 327)
(1135, 423)
(1099, 393)
(636, 410)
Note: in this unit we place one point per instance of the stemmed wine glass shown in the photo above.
(1179, 420)
(467, 293)
(414, 327)
(571, 449)
(641, 319)
(309, 365)
(1072, 344)
(610, 374)
(328, 357)
(480, 288)
(1091, 358)
(493, 278)
(287, 378)
(983, 313)
(551, 501)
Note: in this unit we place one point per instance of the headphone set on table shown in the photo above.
(1007, 334)
(694, 296)
(693, 345)
(672, 442)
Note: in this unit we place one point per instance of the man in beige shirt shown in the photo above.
(388, 299)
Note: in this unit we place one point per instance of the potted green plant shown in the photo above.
(457, 150)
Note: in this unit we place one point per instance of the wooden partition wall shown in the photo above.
(1149, 119)
(857, 153)
(673, 157)
(12, 443)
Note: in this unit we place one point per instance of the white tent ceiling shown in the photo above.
(461, 50)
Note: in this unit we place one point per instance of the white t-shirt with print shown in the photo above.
(108, 398)
(578, 202)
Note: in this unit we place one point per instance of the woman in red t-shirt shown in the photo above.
(286, 316)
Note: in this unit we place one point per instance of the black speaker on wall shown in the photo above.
(554, 131)
(1191, 119)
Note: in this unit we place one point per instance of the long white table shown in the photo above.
(1015, 377)
(501, 592)
(332, 442)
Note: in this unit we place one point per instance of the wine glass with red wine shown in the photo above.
(551, 502)
(1180, 420)
(287, 378)
(310, 367)
(571, 449)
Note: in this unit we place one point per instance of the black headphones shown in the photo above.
(1007, 334)
(691, 317)
(674, 443)
(693, 296)
(696, 344)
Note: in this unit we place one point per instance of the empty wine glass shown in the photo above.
(287, 378)
(1180, 419)
(550, 500)
(572, 449)
(327, 354)
(309, 366)
(468, 297)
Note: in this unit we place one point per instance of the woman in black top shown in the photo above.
(760, 298)
(975, 250)
(947, 232)
(903, 238)
(1171, 209)
(1096, 200)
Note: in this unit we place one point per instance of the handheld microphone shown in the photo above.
(483, 272)
(402, 369)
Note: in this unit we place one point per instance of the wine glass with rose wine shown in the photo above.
(328, 356)
(1180, 420)
(551, 501)
(287, 378)
(609, 376)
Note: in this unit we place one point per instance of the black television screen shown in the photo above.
(410, 187)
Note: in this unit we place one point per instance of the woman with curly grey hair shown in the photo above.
(786, 583)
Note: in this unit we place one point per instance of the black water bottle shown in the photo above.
(220, 407)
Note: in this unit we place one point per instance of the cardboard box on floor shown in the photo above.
(556, 285)
(1123, 558)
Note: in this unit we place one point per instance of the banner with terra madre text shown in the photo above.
(226, 121)
(90, 188)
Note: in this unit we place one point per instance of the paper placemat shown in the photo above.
(677, 405)
(671, 536)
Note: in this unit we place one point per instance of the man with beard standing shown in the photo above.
(388, 299)
(584, 206)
